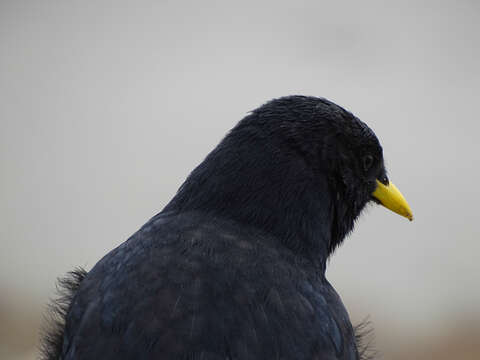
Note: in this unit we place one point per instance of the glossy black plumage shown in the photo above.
(233, 267)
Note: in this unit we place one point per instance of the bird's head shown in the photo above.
(300, 167)
(337, 146)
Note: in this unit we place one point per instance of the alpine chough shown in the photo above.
(234, 266)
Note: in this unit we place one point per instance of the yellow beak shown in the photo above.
(390, 197)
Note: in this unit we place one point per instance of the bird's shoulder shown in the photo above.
(186, 284)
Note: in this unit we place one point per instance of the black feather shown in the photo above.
(54, 321)
(364, 337)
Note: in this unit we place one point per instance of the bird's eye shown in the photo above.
(367, 162)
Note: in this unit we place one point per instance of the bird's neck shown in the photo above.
(248, 180)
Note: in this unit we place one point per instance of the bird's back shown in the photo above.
(194, 287)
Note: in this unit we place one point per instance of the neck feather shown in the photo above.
(250, 180)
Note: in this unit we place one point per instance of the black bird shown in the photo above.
(234, 266)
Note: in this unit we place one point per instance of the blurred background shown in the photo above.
(106, 106)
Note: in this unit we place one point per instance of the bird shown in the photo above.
(234, 265)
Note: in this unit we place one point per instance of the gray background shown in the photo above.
(106, 106)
